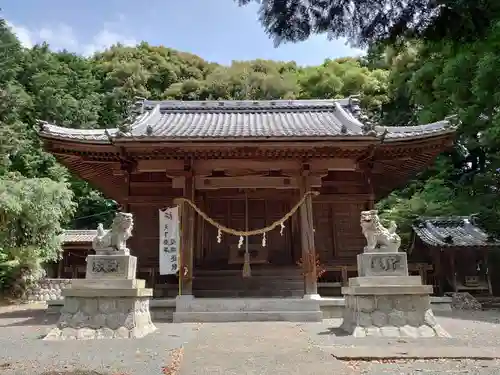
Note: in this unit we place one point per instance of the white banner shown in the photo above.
(169, 240)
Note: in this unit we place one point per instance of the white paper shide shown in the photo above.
(169, 240)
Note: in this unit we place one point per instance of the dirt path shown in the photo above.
(256, 348)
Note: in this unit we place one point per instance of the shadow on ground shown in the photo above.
(335, 331)
(488, 316)
(28, 317)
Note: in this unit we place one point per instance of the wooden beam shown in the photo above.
(207, 166)
(157, 165)
(332, 164)
(250, 182)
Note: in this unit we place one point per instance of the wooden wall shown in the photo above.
(336, 222)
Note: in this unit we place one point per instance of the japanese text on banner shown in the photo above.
(169, 240)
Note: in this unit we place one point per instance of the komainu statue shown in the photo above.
(114, 240)
(379, 238)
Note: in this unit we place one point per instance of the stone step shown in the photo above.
(246, 304)
(255, 284)
(255, 272)
(248, 293)
(246, 316)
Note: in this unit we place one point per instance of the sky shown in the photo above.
(216, 30)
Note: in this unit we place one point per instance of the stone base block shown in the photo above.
(111, 267)
(382, 281)
(108, 293)
(108, 284)
(403, 315)
(382, 264)
(85, 318)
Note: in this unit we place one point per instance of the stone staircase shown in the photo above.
(270, 294)
(215, 310)
(264, 283)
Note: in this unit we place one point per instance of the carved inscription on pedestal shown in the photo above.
(385, 264)
(105, 266)
(382, 264)
(111, 267)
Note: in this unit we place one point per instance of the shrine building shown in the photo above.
(246, 164)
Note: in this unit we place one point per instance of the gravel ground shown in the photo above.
(226, 348)
(23, 353)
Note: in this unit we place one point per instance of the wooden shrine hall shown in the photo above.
(460, 251)
(246, 164)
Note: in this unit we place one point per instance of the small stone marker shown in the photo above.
(110, 302)
(384, 301)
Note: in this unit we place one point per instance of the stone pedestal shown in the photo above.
(109, 303)
(385, 302)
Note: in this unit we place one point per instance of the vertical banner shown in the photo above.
(169, 240)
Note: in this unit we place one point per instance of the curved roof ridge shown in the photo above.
(178, 120)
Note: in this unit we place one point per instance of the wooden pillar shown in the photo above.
(60, 266)
(187, 242)
(487, 271)
(307, 237)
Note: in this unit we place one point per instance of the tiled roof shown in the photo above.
(458, 231)
(78, 236)
(237, 120)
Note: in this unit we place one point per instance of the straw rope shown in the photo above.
(245, 233)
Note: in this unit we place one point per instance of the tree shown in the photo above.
(365, 22)
(446, 78)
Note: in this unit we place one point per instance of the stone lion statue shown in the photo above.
(378, 238)
(114, 240)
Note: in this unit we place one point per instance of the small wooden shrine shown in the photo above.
(459, 250)
(246, 164)
(75, 246)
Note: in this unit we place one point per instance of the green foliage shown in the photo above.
(365, 22)
(416, 80)
(434, 80)
(31, 213)
(38, 196)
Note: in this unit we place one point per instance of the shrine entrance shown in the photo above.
(220, 265)
(247, 209)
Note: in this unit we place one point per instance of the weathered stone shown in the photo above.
(107, 305)
(372, 331)
(440, 332)
(115, 320)
(122, 333)
(379, 318)
(382, 264)
(69, 333)
(110, 301)
(415, 318)
(359, 332)
(430, 319)
(85, 334)
(366, 304)
(364, 319)
(97, 321)
(384, 303)
(390, 331)
(426, 331)
(90, 306)
(71, 305)
(104, 333)
(408, 331)
(396, 304)
(464, 301)
(397, 318)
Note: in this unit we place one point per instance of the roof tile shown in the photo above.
(78, 236)
(458, 231)
(276, 119)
